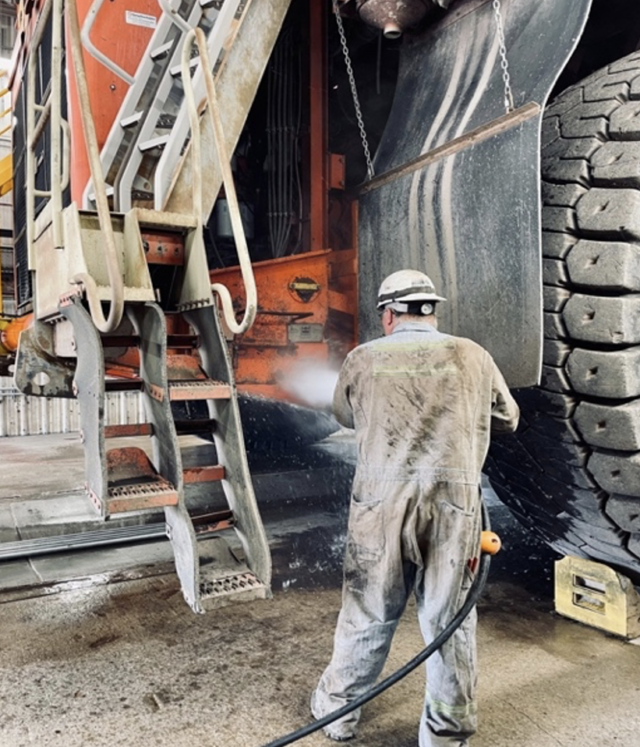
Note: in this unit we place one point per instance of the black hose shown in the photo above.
(475, 591)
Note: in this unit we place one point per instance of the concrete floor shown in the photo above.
(91, 659)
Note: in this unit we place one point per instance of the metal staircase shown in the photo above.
(151, 131)
(103, 260)
(123, 478)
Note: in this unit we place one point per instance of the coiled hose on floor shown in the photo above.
(472, 597)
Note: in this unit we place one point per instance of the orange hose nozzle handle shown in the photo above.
(490, 543)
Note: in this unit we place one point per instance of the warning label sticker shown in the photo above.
(140, 19)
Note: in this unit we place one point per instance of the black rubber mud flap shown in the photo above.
(572, 472)
(296, 426)
(470, 219)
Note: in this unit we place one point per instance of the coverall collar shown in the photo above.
(415, 327)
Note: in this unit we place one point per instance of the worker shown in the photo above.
(423, 405)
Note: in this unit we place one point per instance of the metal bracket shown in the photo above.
(39, 373)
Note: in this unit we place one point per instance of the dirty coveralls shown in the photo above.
(423, 405)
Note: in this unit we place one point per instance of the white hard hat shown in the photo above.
(406, 286)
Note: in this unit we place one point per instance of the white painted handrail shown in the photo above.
(50, 112)
(174, 15)
(116, 283)
(94, 51)
(227, 178)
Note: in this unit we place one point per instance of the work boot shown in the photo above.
(337, 732)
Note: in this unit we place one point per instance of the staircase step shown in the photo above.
(120, 341)
(108, 191)
(123, 385)
(213, 473)
(225, 579)
(140, 496)
(142, 196)
(134, 484)
(191, 427)
(162, 51)
(155, 142)
(182, 367)
(176, 70)
(205, 524)
(184, 342)
(128, 430)
(160, 219)
(244, 583)
(198, 389)
(131, 120)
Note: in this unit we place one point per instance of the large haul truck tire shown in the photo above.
(572, 472)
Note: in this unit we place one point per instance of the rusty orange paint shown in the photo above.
(10, 335)
(163, 248)
(281, 298)
(129, 462)
(184, 368)
(126, 366)
(305, 290)
(214, 473)
(116, 33)
(128, 429)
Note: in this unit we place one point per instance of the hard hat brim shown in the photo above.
(410, 298)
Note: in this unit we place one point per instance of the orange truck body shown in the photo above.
(306, 315)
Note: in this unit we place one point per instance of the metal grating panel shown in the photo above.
(21, 415)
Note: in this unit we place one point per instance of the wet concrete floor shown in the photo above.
(93, 660)
(129, 664)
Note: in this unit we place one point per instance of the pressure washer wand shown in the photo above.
(490, 544)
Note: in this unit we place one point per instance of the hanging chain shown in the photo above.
(354, 90)
(504, 64)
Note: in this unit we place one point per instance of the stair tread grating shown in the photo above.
(140, 496)
(155, 487)
(225, 585)
(199, 389)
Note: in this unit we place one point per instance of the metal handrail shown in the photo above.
(85, 35)
(56, 127)
(31, 137)
(116, 283)
(66, 154)
(4, 92)
(177, 19)
(50, 111)
(227, 179)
